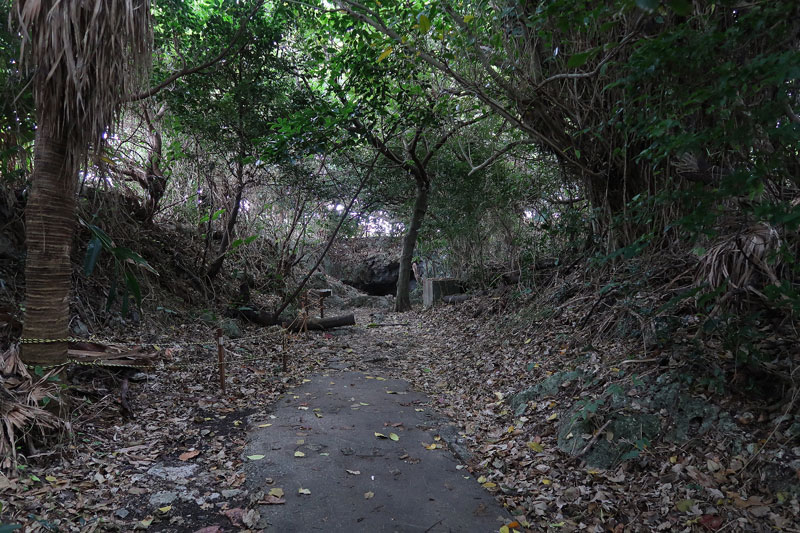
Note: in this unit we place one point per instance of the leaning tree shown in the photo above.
(85, 56)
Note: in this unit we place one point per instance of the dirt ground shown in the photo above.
(180, 464)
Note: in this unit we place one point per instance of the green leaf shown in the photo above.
(123, 254)
(648, 5)
(682, 8)
(424, 23)
(385, 53)
(92, 253)
(125, 301)
(633, 454)
(132, 285)
(578, 60)
(112, 291)
(102, 235)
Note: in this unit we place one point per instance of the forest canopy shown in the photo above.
(489, 136)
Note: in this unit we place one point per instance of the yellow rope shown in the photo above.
(47, 341)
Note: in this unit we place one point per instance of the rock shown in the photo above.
(547, 387)
(122, 513)
(626, 429)
(658, 409)
(172, 473)
(380, 302)
(208, 317)
(160, 499)
(79, 329)
(370, 264)
(230, 328)
(377, 276)
(456, 443)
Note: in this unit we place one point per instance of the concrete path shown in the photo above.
(323, 439)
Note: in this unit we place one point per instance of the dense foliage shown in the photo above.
(498, 136)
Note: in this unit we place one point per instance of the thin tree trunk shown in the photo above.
(403, 300)
(215, 267)
(50, 226)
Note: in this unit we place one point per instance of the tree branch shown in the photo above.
(497, 155)
(313, 269)
(375, 21)
(185, 72)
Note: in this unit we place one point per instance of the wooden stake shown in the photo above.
(221, 359)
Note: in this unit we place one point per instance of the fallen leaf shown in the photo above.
(536, 447)
(304, 491)
(380, 435)
(394, 437)
(354, 472)
(277, 492)
(299, 454)
(165, 509)
(710, 521)
(684, 505)
(235, 516)
(264, 425)
(272, 500)
(368, 495)
(256, 457)
(185, 456)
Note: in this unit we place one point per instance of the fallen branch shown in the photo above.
(456, 298)
(318, 324)
(591, 442)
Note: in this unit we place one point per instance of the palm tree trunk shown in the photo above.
(50, 225)
(403, 300)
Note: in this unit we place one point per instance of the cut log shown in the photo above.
(319, 324)
(455, 298)
(256, 316)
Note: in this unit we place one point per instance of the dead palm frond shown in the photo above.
(87, 55)
(742, 262)
(21, 417)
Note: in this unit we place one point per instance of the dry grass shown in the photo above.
(22, 419)
(741, 262)
(87, 56)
